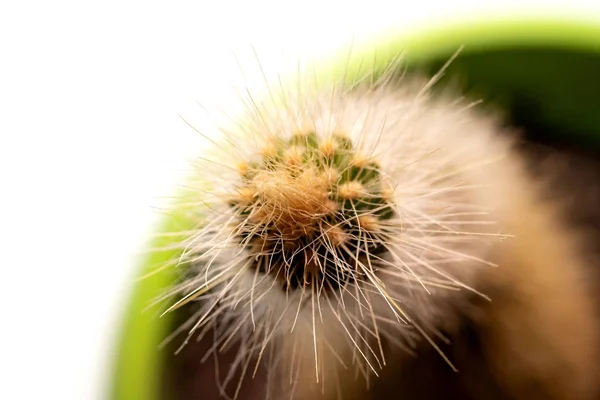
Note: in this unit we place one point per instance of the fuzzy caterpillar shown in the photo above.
(343, 227)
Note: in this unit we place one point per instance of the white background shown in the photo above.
(90, 94)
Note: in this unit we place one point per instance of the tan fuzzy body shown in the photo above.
(331, 264)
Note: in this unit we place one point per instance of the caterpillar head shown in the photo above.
(338, 225)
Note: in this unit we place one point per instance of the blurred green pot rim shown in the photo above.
(489, 34)
(514, 60)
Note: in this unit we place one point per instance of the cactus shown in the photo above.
(345, 216)
(313, 269)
